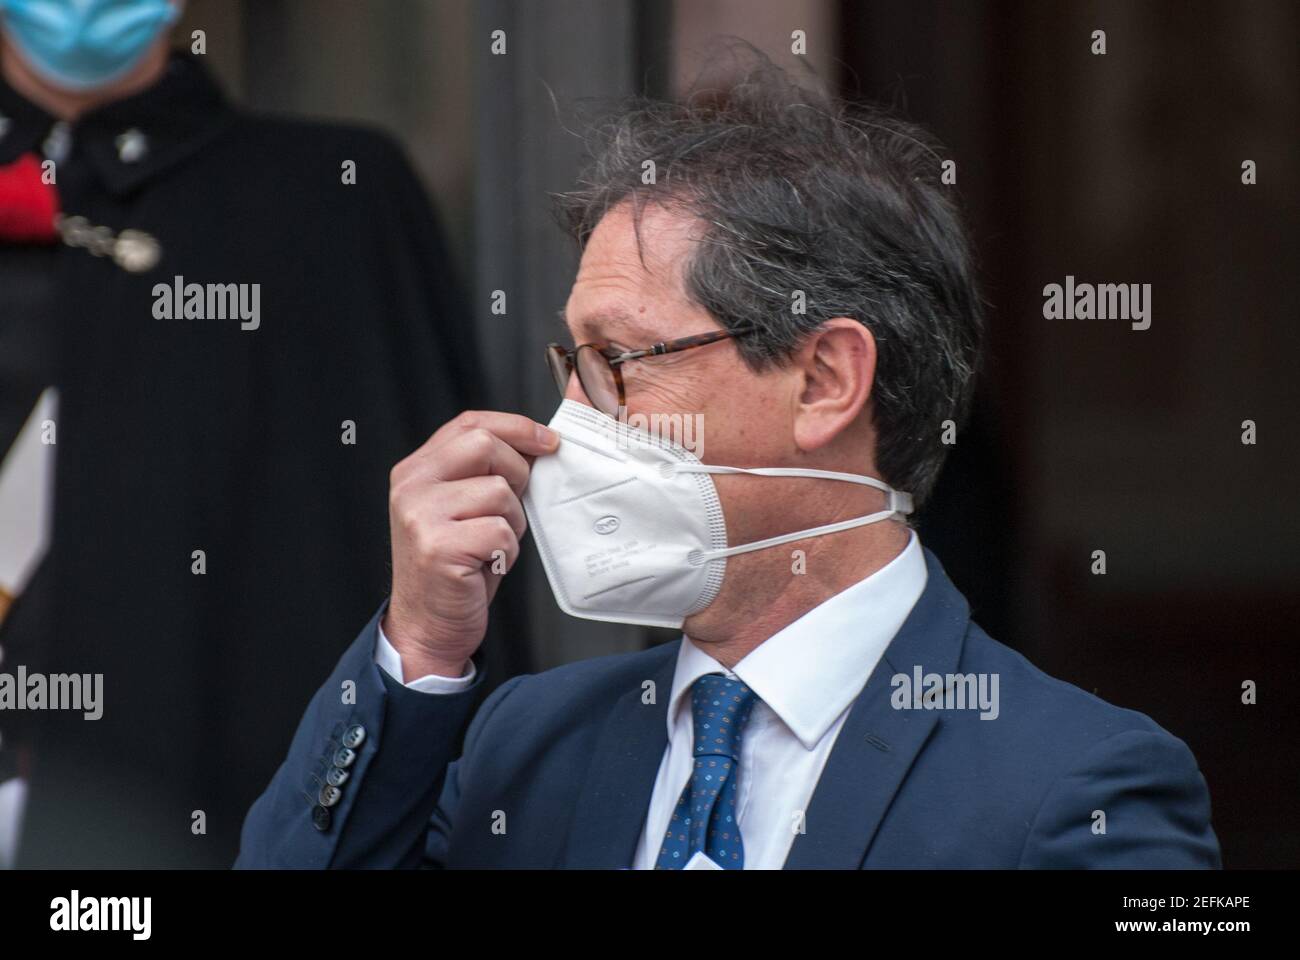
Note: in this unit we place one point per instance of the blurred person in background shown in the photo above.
(249, 321)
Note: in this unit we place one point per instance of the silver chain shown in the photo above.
(133, 250)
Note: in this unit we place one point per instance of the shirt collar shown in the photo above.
(132, 140)
(811, 670)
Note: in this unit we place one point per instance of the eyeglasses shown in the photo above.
(599, 368)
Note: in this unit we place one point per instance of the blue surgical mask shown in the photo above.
(83, 44)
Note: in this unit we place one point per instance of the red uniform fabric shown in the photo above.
(28, 205)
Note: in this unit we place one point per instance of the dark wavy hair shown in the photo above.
(799, 191)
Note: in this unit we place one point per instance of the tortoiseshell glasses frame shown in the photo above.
(599, 367)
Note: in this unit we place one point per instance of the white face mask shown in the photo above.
(630, 527)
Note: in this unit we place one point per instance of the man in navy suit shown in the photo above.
(795, 278)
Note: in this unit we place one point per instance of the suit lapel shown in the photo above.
(878, 743)
(615, 797)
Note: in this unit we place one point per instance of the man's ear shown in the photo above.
(837, 365)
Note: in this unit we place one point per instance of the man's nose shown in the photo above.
(573, 390)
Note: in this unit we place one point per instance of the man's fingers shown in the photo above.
(487, 540)
(477, 453)
(487, 496)
(472, 453)
(479, 442)
(527, 436)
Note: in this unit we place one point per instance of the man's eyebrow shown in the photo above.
(617, 317)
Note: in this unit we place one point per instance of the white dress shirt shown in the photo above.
(806, 675)
(390, 661)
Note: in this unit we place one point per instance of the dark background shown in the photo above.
(1123, 168)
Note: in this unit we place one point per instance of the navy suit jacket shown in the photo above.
(557, 769)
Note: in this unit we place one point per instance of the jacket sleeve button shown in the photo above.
(321, 818)
(355, 736)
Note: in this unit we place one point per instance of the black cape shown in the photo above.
(177, 435)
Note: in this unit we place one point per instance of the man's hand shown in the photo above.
(456, 522)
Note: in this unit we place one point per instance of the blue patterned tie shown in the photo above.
(705, 818)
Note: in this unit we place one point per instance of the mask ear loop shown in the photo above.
(899, 503)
